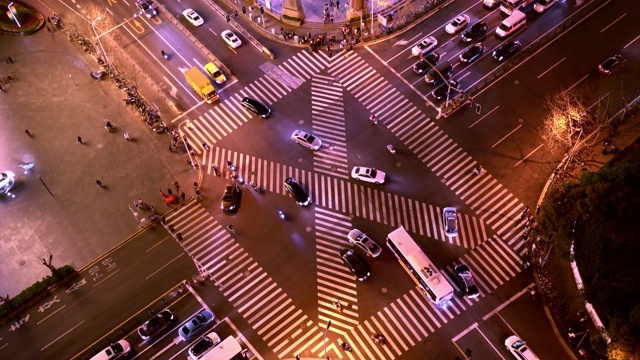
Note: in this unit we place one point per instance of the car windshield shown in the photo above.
(201, 346)
(117, 348)
(309, 138)
(371, 172)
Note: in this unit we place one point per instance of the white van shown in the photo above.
(511, 24)
(114, 351)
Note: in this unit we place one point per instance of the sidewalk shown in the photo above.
(57, 101)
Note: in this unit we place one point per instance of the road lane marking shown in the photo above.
(529, 154)
(58, 338)
(482, 118)
(50, 315)
(632, 41)
(614, 21)
(506, 136)
(576, 83)
(552, 66)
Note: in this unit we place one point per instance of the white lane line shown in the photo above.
(614, 21)
(506, 136)
(632, 41)
(552, 66)
(61, 336)
(529, 154)
(482, 118)
(576, 83)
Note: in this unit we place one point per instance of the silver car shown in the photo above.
(450, 221)
(307, 140)
(196, 324)
(364, 242)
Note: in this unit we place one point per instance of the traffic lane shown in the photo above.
(86, 304)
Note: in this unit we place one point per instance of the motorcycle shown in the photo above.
(281, 214)
(346, 347)
(216, 170)
(379, 338)
(98, 75)
(165, 55)
(231, 166)
(338, 306)
(391, 149)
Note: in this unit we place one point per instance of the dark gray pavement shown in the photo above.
(57, 101)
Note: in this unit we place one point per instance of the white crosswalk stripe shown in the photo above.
(328, 121)
(253, 293)
(495, 205)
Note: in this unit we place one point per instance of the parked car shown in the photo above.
(230, 198)
(193, 17)
(256, 107)
(472, 53)
(307, 140)
(475, 32)
(466, 282)
(542, 5)
(450, 221)
(364, 242)
(196, 324)
(297, 191)
(366, 174)
(156, 324)
(519, 349)
(458, 23)
(212, 70)
(444, 90)
(425, 46)
(204, 345)
(357, 265)
(231, 39)
(611, 64)
(506, 50)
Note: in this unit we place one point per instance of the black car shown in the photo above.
(472, 53)
(506, 50)
(465, 280)
(475, 32)
(156, 324)
(445, 89)
(356, 264)
(297, 191)
(256, 107)
(146, 8)
(230, 198)
(422, 66)
(611, 64)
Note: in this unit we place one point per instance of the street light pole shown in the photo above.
(324, 340)
(50, 193)
(93, 26)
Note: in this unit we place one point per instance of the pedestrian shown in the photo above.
(170, 147)
(470, 101)
(373, 118)
(195, 185)
(177, 185)
(537, 210)
(183, 196)
(27, 132)
(524, 212)
(337, 3)
(169, 191)
(80, 140)
(230, 229)
(1, 88)
(331, 18)
(99, 183)
(49, 20)
(126, 136)
(198, 195)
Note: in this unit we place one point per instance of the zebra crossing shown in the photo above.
(228, 115)
(328, 121)
(495, 205)
(335, 281)
(347, 197)
(253, 293)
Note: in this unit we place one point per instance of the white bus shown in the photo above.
(418, 265)
(508, 6)
(228, 349)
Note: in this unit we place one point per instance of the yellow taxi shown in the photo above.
(215, 73)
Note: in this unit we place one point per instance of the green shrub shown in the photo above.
(290, 18)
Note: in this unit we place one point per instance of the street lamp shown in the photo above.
(93, 26)
(324, 340)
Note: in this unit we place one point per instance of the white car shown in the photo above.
(460, 22)
(364, 242)
(193, 17)
(307, 140)
(423, 47)
(7, 180)
(450, 221)
(204, 345)
(368, 174)
(231, 39)
(542, 5)
(519, 348)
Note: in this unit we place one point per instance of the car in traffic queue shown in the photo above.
(115, 351)
(196, 324)
(147, 8)
(611, 64)
(358, 266)
(231, 39)
(297, 191)
(472, 53)
(364, 242)
(425, 46)
(426, 63)
(156, 324)
(230, 198)
(203, 345)
(458, 23)
(445, 90)
(193, 17)
(367, 174)
(212, 70)
(543, 5)
(475, 32)
(466, 282)
(519, 349)
(307, 140)
(506, 50)
(450, 221)
(256, 107)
